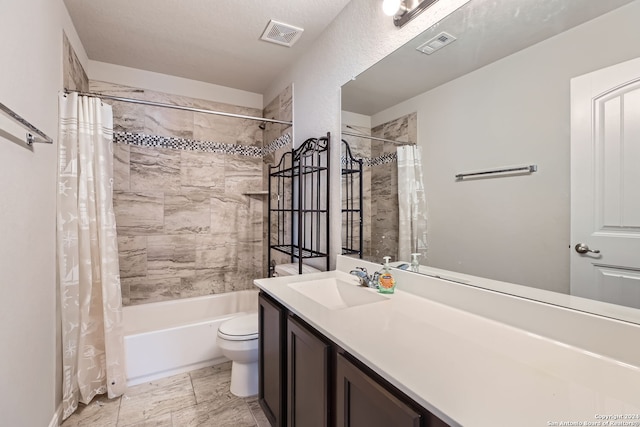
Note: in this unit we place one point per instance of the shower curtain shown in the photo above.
(87, 252)
(412, 228)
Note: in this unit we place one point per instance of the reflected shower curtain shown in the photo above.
(87, 252)
(412, 229)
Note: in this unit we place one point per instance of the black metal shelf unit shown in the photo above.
(352, 208)
(298, 211)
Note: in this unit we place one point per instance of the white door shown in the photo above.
(605, 184)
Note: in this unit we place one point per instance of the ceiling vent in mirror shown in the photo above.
(282, 34)
(438, 42)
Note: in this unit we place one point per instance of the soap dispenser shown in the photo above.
(386, 282)
(415, 264)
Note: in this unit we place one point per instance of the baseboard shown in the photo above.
(57, 417)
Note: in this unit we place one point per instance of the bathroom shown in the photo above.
(32, 77)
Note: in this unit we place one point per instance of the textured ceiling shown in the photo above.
(214, 41)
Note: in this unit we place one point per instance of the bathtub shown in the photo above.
(172, 337)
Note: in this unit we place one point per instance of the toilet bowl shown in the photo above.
(238, 340)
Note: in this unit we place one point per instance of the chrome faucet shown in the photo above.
(365, 279)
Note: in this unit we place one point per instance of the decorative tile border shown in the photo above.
(276, 144)
(374, 161)
(144, 140)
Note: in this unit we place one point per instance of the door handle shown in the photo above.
(581, 248)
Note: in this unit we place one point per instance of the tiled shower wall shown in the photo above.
(380, 182)
(186, 226)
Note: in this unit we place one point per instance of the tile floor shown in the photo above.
(198, 398)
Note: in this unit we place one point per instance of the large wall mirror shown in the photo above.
(551, 84)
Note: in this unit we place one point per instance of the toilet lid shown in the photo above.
(240, 328)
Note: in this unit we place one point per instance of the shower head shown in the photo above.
(263, 125)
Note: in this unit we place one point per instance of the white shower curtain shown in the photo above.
(412, 229)
(88, 271)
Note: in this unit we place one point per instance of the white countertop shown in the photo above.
(468, 369)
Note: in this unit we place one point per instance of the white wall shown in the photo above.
(171, 84)
(31, 58)
(359, 37)
(514, 229)
(355, 119)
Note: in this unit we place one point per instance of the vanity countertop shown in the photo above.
(468, 369)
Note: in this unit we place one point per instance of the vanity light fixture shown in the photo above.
(404, 10)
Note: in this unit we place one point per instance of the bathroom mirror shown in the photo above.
(496, 93)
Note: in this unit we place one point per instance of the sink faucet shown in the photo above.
(365, 279)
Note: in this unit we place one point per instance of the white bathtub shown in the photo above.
(171, 337)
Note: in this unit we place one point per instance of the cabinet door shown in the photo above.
(308, 377)
(272, 360)
(363, 402)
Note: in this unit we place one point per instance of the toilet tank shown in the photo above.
(292, 269)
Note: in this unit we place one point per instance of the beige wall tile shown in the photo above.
(127, 117)
(73, 74)
(132, 252)
(229, 213)
(187, 213)
(143, 290)
(226, 130)
(184, 227)
(202, 171)
(167, 122)
(139, 213)
(217, 251)
(154, 169)
(242, 174)
(203, 282)
(171, 256)
(240, 280)
(121, 172)
(115, 89)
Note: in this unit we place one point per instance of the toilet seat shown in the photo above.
(240, 328)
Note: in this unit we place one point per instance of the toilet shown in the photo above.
(238, 340)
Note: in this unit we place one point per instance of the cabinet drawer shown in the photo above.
(362, 401)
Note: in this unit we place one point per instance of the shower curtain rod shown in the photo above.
(375, 138)
(177, 107)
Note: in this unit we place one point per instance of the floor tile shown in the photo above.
(160, 397)
(100, 412)
(209, 414)
(159, 421)
(257, 412)
(199, 398)
(212, 385)
(210, 370)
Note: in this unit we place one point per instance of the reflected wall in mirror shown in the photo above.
(380, 179)
(499, 96)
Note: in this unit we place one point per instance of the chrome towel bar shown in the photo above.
(30, 138)
(527, 168)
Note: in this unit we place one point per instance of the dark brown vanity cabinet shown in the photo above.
(308, 381)
(362, 400)
(272, 360)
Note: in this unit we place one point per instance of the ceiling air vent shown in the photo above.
(282, 34)
(438, 42)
